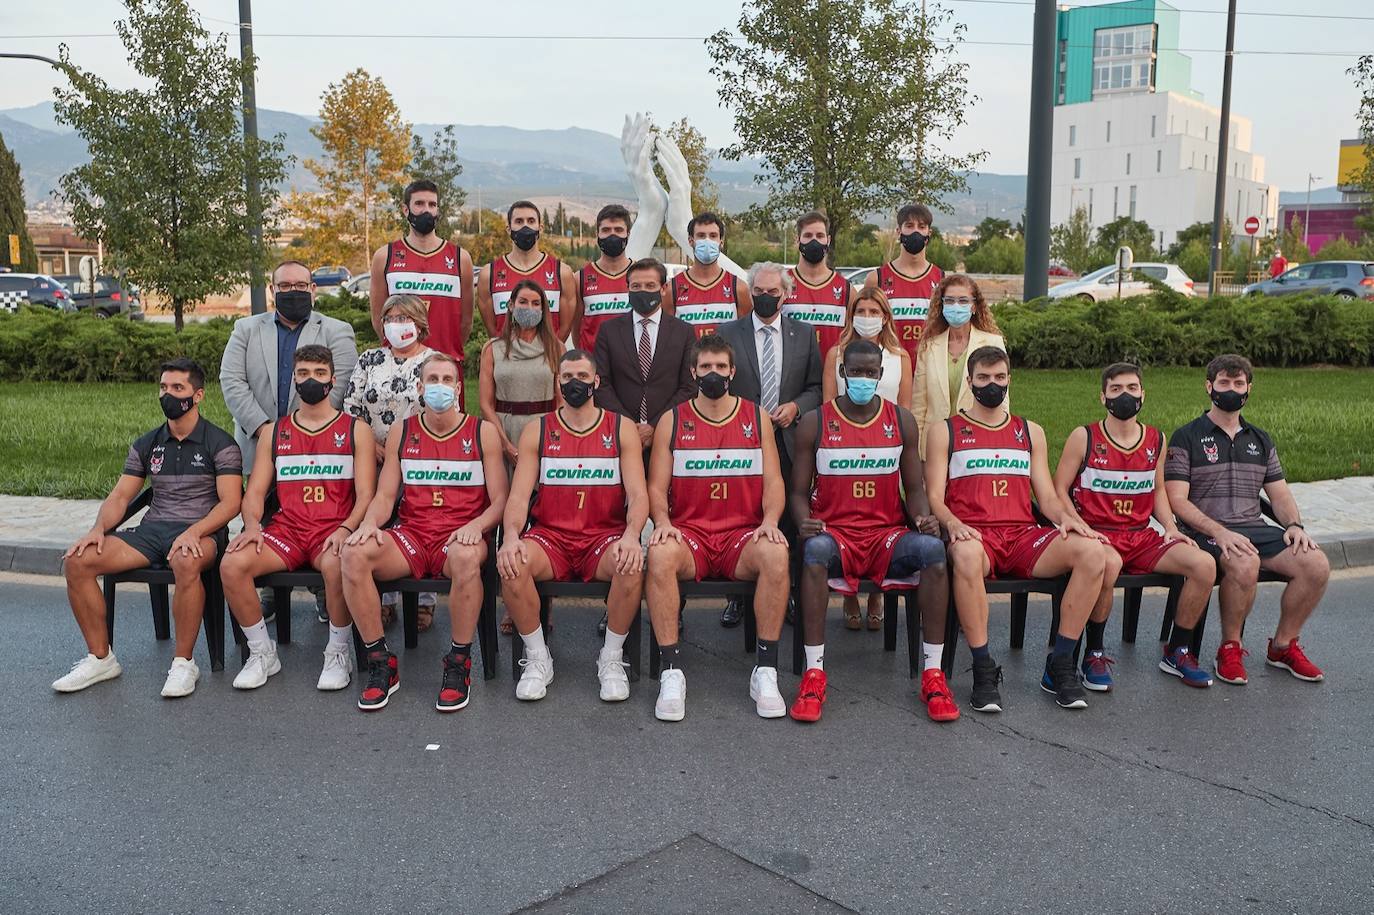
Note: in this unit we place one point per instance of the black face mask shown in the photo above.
(990, 395)
(174, 407)
(294, 305)
(612, 245)
(813, 251)
(1230, 401)
(312, 390)
(645, 303)
(765, 306)
(525, 237)
(914, 242)
(576, 392)
(713, 385)
(1124, 406)
(423, 223)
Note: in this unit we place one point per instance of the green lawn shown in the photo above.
(69, 440)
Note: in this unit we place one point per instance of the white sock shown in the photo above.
(258, 639)
(934, 654)
(815, 657)
(615, 642)
(534, 642)
(340, 635)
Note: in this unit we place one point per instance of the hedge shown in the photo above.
(1158, 329)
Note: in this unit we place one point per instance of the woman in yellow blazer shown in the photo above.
(958, 323)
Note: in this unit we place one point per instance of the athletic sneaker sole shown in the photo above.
(270, 673)
(1284, 666)
(990, 708)
(385, 699)
(334, 689)
(452, 708)
(1175, 672)
(1073, 704)
(1240, 682)
(107, 675)
(1096, 687)
(670, 716)
(767, 713)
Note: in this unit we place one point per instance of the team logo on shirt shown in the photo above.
(467, 446)
(1020, 433)
(1252, 449)
(1150, 455)
(832, 426)
(838, 291)
(607, 441)
(548, 277)
(889, 431)
(1210, 452)
(339, 439)
(689, 430)
(449, 262)
(747, 429)
(501, 275)
(155, 460)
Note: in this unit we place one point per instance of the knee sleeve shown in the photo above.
(915, 551)
(822, 550)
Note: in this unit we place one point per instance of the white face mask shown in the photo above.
(400, 334)
(867, 326)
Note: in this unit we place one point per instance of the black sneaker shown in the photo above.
(453, 691)
(733, 613)
(383, 679)
(321, 612)
(1061, 679)
(986, 676)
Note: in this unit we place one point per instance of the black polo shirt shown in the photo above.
(1225, 475)
(182, 472)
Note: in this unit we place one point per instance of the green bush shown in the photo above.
(998, 255)
(1172, 329)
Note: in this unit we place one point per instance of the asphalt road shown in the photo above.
(1155, 799)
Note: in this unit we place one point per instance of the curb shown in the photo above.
(1353, 551)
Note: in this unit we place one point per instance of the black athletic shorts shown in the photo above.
(1267, 538)
(154, 539)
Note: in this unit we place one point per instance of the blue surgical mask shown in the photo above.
(705, 251)
(861, 390)
(439, 397)
(957, 315)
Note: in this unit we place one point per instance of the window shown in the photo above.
(1078, 168)
(1206, 131)
(1206, 162)
(1328, 271)
(1116, 202)
(1193, 161)
(1073, 135)
(1159, 160)
(1123, 58)
(1090, 205)
(1152, 127)
(1063, 67)
(1128, 163)
(1155, 273)
(1109, 131)
(1133, 201)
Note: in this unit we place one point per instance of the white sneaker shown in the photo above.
(181, 679)
(610, 670)
(338, 667)
(89, 671)
(672, 696)
(763, 689)
(260, 666)
(534, 682)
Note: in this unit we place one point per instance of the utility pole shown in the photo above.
(1307, 216)
(1223, 143)
(257, 292)
(1041, 153)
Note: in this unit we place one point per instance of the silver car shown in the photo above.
(1102, 282)
(1343, 279)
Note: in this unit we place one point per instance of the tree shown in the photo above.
(367, 150)
(164, 190)
(1072, 243)
(436, 161)
(991, 227)
(846, 102)
(705, 194)
(998, 255)
(1127, 231)
(12, 221)
(1295, 250)
(1198, 231)
(1363, 71)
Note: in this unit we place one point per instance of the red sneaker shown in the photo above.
(1294, 661)
(1231, 663)
(940, 706)
(810, 697)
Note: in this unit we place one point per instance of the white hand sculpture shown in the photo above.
(680, 200)
(636, 148)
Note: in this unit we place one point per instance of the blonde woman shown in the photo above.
(958, 323)
(870, 317)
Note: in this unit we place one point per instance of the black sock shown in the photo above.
(979, 652)
(373, 646)
(455, 648)
(768, 652)
(669, 656)
(1094, 633)
(1180, 638)
(1063, 644)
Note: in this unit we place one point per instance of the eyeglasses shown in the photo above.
(957, 300)
(294, 287)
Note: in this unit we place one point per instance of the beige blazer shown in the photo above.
(930, 388)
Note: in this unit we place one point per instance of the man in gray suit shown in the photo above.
(778, 366)
(255, 373)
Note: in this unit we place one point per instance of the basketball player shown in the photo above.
(909, 279)
(706, 295)
(602, 290)
(524, 261)
(819, 294)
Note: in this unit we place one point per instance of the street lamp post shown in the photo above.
(257, 292)
(1307, 215)
(1223, 147)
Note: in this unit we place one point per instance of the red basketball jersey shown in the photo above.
(443, 485)
(1115, 487)
(547, 273)
(823, 307)
(580, 492)
(706, 307)
(717, 480)
(314, 471)
(858, 470)
(989, 471)
(909, 297)
(435, 277)
(603, 296)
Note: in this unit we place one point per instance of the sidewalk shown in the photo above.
(34, 532)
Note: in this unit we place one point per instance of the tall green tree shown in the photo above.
(436, 160)
(12, 220)
(164, 190)
(991, 227)
(1363, 71)
(1071, 243)
(851, 104)
(1127, 231)
(1198, 231)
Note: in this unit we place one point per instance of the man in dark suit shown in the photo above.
(778, 366)
(645, 357)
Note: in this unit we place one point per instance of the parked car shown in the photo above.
(33, 289)
(856, 275)
(327, 279)
(360, 285)
(1346, 279)
(1060, 270)
(109, 298)
(1101, 283)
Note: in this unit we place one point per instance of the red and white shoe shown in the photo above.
(1294, 661)
(810, 696)
(1231, 663)
(940, 705)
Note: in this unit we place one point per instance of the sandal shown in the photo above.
(853, 621)
(424, 618)
(388, 615)
(875, 621)
(507, 626)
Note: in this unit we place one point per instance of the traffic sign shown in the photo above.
(1252, 225)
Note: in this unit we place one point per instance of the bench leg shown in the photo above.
(1200, 628)
(1171, 607)
(410, 618)
(162, 620)
(653, 653)
(751, 625)
(108, 585)
(798, 652)
(359, 651)
(1055, 601)
(890, 621)
(951, 637)
(1018, 620)
(915, 659)
(632, 642)
(1130, 614)
(214, 620)
(486, 629)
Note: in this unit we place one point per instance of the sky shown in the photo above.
(509, 67)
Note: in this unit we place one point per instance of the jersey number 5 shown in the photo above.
(436, 497)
